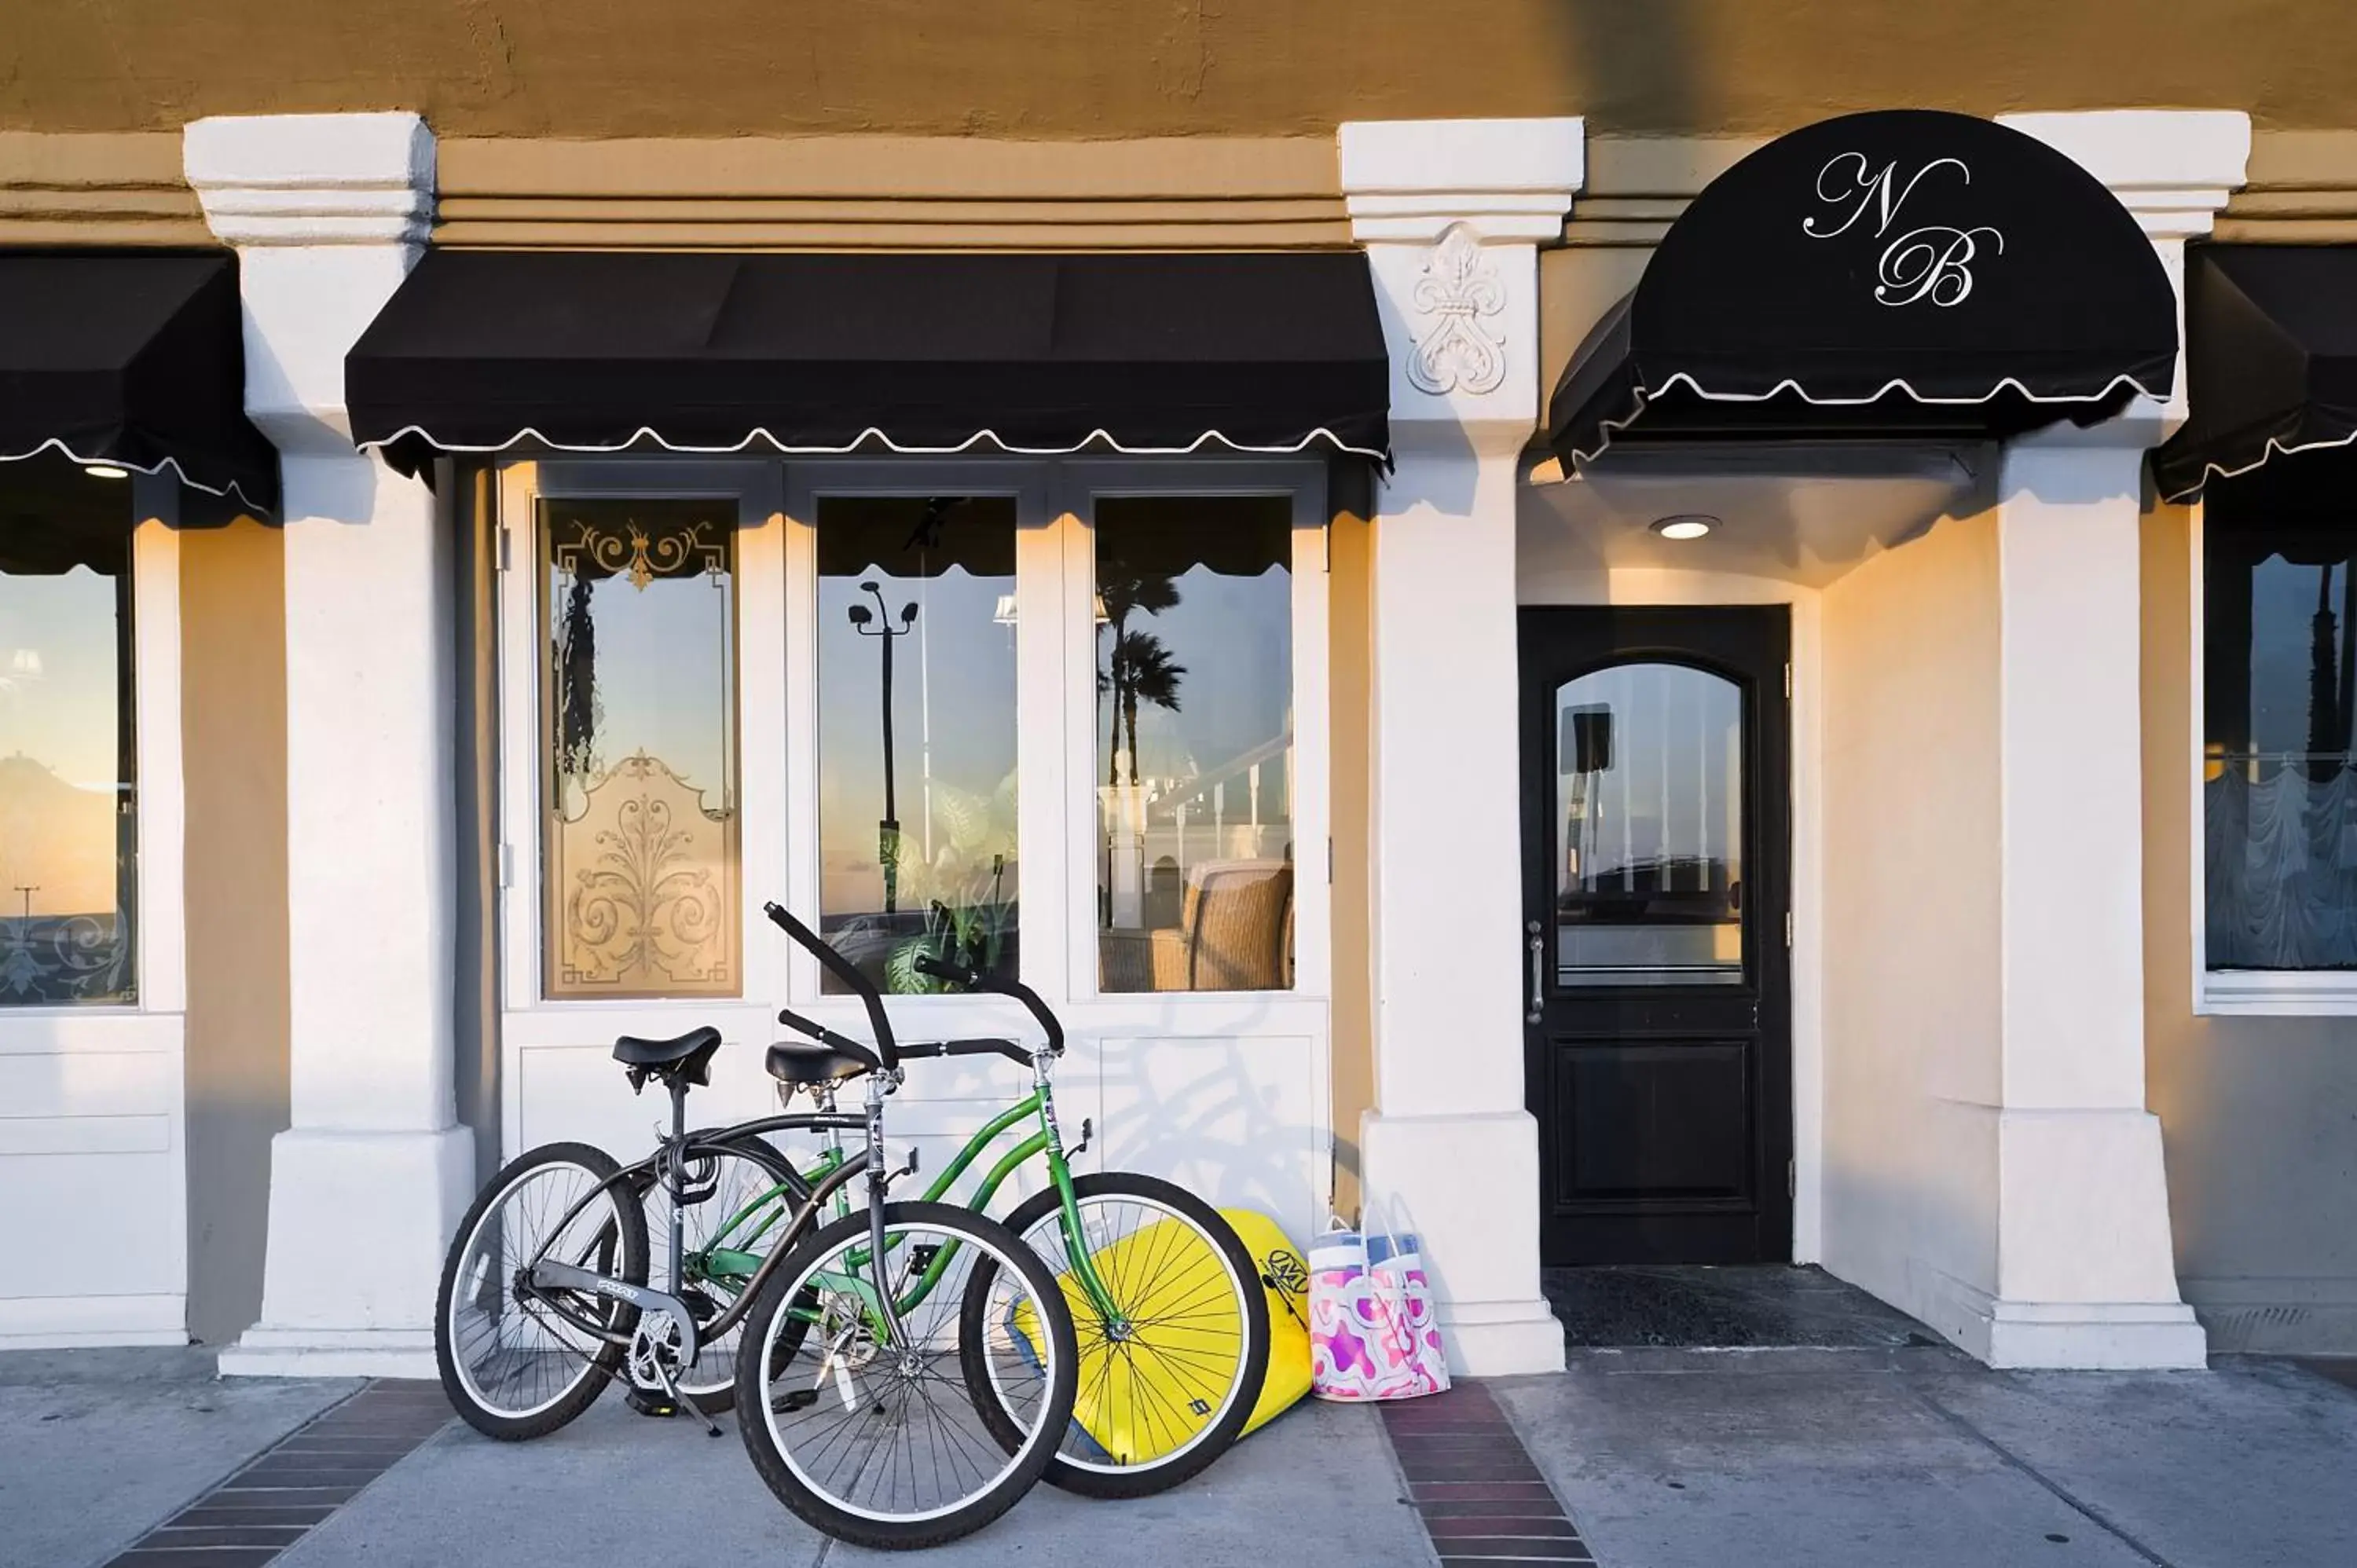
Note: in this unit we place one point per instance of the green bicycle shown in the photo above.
(1168, 1307)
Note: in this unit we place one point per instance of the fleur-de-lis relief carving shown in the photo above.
(1460, 293)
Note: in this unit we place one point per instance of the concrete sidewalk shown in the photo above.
(1894, 1458)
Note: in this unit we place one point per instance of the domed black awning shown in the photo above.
(1905, 272)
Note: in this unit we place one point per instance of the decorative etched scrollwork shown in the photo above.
(646, 887)
(72, 958)
(1460, 292)
(638, 555)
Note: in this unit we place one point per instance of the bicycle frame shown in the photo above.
(549, 1274)
(759, 1211)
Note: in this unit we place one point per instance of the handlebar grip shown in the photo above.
(826, 1037)
(926, 963)
(842, 969)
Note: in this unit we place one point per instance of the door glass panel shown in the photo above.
(639, 728)
(69, 833)
(916, 599)
(1649, 819)
(1194, 637)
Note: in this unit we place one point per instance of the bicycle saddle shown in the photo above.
(689, 1054)
(791, 1061)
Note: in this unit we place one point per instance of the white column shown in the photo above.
(1451, 213)
(329, 212)
(2086, 1275)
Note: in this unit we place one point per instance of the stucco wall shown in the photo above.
(233, 725)
(1911, 917)
(2259, 1115)
(1128, 68)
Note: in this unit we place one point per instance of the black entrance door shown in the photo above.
(1655, 848)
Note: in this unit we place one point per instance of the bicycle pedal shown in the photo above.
(793, 1400)
(650, 1403)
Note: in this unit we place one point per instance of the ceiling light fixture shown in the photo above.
(105, 471)
(1684, 525)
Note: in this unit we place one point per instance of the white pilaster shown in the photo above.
(329, 212)
(1451, 212)
(2086, 1275)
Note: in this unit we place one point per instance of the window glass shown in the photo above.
(1649, 818)
(639, 729)
(1194, 753)
(916, 743)
(68, 829)
(2279, 796)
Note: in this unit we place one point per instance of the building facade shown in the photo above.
(1560, 624)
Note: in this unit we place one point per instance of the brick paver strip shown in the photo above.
(291, 1487)
(1483, 1503)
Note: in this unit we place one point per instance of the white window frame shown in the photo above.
(1081, 483)
(106, 1079)
(1039, 728)
(2231, 993)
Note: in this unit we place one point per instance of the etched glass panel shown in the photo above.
(68, 829)
(1648, 824)
(640, 731)
(916, 732)
(1194, 781)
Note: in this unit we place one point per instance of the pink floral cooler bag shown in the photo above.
(1373, 1335)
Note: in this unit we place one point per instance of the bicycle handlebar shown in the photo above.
(844, 970)
(973, 979)
(827, 1037)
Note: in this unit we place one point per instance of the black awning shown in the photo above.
(2270, 359)
(710, 352)
(131, 360)
(1904, 271)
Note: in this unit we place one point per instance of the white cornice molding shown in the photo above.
(2173, 168)
(314, 179)
(1413, 180)
(329, 212)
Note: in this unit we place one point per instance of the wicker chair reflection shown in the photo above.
(1234, 929)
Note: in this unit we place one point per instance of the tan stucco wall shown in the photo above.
(1350, 694)
(1911, 917)
(2258, 1115)
(1128, 68)
(233, 725)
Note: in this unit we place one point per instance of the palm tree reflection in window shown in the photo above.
(1138, 669)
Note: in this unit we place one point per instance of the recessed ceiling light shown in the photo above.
(105, 471)
(1684, 525)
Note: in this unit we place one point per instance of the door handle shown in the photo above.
(1538, 974)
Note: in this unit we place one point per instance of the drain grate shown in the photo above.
(1480, 1498)
(291, 1488)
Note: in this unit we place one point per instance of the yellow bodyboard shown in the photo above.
(1148, 1397)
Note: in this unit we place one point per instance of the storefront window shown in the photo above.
(69, 828)
(916, 732)
(2279, 779)
(1194, 754)
(638, 727)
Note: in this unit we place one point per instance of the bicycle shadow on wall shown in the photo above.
(1211, 1114)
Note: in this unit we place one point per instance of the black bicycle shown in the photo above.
(867, 1413)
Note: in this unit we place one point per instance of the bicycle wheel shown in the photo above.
(874, 1440)
(741, 1196)
(1165, 1387)
(517, 1366)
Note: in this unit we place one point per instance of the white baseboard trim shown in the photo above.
(1500, 1339)
(266, 1352)
(84, 1322)
(2126, 1335)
